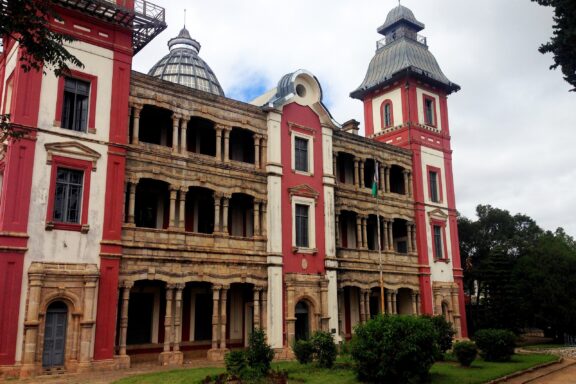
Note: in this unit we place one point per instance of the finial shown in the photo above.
(185, 17)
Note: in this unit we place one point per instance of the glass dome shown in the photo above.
(183, 65)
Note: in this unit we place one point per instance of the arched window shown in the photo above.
(387, 114)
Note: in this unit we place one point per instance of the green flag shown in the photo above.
(375, 181)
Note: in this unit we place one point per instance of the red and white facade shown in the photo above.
(306, 255)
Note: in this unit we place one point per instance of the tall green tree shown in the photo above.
(562, 45)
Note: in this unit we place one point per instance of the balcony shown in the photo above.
(372, 257)
(146, 19)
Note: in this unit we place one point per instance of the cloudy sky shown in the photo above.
(513, 124)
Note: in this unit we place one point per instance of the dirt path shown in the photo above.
(562, 373)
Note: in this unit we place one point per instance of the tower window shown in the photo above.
(429, 111)
(302, 225)
(437, 242)
(387, 114)
(434, 184)
(75, 107)
(301, 154)
(68, 197)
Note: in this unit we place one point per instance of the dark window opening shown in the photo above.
(400, 235)
(387, 115)
(434, 195)
(199, 210)
(345, 168)
(302, 326)
(75, 107)
(369, 168)
(301, 154)
(347, 222)
(201, 136)
(68, 198)
(155, 126)
(372, 232)
(241, 216)
(203, 317)
(429, 111)
(438, 249)
(152, 204)
(302, 239)
(242, 145)
(397, 180)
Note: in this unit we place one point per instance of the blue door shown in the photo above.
(55, 335)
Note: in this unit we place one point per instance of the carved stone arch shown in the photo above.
(72, 301)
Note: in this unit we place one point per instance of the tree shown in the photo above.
(563, 42)
(27, 22)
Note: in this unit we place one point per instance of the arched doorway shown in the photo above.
(302, 313)
(55, 335)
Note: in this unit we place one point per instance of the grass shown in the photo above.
(442, 373)
(539, 347)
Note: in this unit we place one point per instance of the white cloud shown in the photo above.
(513, 126)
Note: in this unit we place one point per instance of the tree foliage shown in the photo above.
(27, 21)
(562, 44)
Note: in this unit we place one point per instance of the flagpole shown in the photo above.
(376, 179)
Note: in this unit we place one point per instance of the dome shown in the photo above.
(183, 65)
(397, 15)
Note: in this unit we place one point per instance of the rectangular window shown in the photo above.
(434, 191)
(68, 196)
(75, 106)
(438, 254)
(302, 226)
(300, 154)
(429, 113)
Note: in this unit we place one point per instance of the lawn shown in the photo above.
(442, 373)
(539, 347)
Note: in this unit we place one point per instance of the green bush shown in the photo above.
(324, 349)
(304, 351)
(259, 354)
(235, 362)
(444, 335)
(394, 349)
(465, 352)
(495, 344)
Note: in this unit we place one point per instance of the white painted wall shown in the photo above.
(396, 97)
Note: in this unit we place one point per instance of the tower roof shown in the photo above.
(183, 65)
(402, 52)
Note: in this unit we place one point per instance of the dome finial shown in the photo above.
(185, 16)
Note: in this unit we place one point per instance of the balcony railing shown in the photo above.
(147, 20)
(388, 257)
(384, 41)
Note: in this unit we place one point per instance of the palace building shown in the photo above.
(148, 217)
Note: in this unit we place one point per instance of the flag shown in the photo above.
(375, 180)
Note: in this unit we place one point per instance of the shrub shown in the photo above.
(235, 362)
(304, 351)
(465, 352)
(259, 354)
(324, 349)
(444, 335)
(495, 344)
(394, 349)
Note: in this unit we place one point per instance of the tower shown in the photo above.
(405, 104)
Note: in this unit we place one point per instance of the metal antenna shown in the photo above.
(185, 17)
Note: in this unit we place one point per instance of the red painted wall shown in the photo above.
(10, 288)
(305, 117)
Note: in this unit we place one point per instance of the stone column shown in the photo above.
(256, 303)
(32, 323)
(406, 186)
(394, 303)
(263, 149)
(384, 234)
(387, 178)
(172, 222)
(257, 151)
(388, 302)
(182, 209)
(175, 132)
(263, 226)
(178, 321)
(223, 319)
(334, 164)
(218, 143)
(365, 232)
(215, 314)
(131, 201)
(256, 218)
(358, 232)
(136, 124)
(217, 203)
(264, 312)
(409, 236)
(362, 307)
(410, 184)
(357, 172)
(290, 316)
(361, 184)
(183, 137)
(381, 181)
(168, 318)
(366, 298)
(225, 202)
(418, 303)
(337, 228)
(390, 235)
(414, 303)
(324, 316)
(227, 145)
(88, 321)
(456, 313)
(124, 316)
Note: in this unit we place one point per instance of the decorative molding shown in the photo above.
(72, 149)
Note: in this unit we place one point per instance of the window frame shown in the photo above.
(310, 140)
(311, 203)
(432, 100)
(429, 170)
(444, 246)
(92, 96)
(298, 139)
(385, 103)
(304, 236)
(74, 164)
